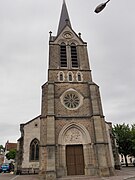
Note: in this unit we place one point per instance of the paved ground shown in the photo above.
(7, 176)
(127, 173)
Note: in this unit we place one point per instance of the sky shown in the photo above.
(24, 37)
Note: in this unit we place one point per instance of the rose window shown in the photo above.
(71, 100)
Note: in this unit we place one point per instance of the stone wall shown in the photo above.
(31, 131)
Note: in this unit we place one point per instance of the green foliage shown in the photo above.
(124, 138)
(1, 147)
(133, 139)
(11, 154)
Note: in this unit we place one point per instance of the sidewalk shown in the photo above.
(123, 174)
(126, 173)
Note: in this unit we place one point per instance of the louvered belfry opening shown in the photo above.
(63, 55)
(74, 56)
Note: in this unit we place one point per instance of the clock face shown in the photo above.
(71, 100)
(67, 35)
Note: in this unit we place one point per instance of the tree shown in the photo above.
(133, 139)
(1, 147)
(11, 154)
(124, 139)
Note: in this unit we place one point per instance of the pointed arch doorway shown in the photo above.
(74, 150)
(75, 159)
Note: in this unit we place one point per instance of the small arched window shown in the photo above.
(74, 59)
(79, 77)
(63, 55)
(70, 76)
(34, 150)
(61, 76)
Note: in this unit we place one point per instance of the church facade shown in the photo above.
(71, 136)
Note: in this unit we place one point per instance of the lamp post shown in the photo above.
(100, 7)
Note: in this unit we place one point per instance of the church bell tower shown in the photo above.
(74, 139)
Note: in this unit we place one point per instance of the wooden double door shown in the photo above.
(75, 160)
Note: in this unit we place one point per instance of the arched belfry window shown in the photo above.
(74, 59)
(63, 55)
(34, 150)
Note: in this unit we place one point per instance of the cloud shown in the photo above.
(8, 131)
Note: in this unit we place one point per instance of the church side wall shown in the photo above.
(31, 131)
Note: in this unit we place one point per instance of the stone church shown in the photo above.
(71, 136)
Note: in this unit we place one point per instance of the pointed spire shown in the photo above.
(64, 18)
